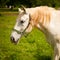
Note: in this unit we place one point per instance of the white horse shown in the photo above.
(46, 19)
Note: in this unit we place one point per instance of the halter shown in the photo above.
(25, 28)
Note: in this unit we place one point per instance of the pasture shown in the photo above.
(31, 47)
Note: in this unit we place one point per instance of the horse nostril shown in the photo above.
(12, 38)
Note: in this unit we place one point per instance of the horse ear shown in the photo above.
(23, 8)
(20, 10)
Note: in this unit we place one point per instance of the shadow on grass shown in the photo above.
(43, 57)
(16, 57)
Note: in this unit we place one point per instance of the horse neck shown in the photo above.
(41, 16)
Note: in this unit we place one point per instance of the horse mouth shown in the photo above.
(15, 42)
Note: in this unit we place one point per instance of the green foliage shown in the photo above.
(31, 47)
(3, 2)
(30, 3)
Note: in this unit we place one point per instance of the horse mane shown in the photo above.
(40, 14)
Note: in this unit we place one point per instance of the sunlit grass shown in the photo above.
(31, 47)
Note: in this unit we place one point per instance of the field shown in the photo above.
(31, 47)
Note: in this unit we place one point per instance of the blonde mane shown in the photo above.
(40, 14)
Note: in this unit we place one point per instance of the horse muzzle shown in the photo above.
(13, 40)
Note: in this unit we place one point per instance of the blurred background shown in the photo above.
(29, 3)
(31, 47)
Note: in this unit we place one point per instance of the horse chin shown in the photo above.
(16, 42)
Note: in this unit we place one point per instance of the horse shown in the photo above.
(46, 19)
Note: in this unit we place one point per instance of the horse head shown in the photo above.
(21, 26)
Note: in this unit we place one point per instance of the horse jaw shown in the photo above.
(29, 29)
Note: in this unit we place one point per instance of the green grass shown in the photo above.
(31, 47)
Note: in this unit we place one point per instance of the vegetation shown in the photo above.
(30, 3)
(8, 10)
(31, 47)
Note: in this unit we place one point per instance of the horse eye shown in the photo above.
(22, 21)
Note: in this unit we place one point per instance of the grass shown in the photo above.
(31, 47)
(8, 9)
